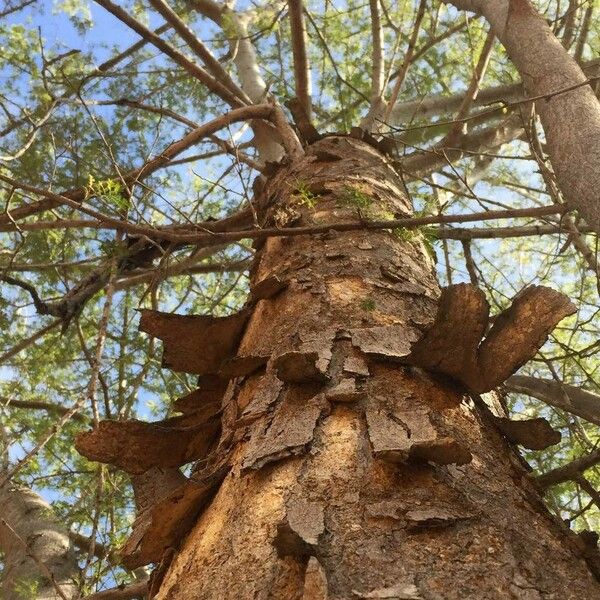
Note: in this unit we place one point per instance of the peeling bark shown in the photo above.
(183, 336)
(453, 345)
(353, 463)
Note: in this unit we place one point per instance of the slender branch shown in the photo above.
(573, 399)
(157, 275)
(505, 105)
(122, 592)
(74, 198)
(301, 66)
(378, 63)
(96, 72)
(569, 471)
(28, 341)
(473, 89)
(194, 70)
(51, 432)
(490, 233)
(589, 489)
(407, 60)
(40, 306)
(212, 237)
(12, 9)
(212, 64)
(38, 405)
(438, 104)
(585, 30)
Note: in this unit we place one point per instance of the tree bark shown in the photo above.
(571, 119)
(38, 557)
(353, 474)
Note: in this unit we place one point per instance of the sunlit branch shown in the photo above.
(212, 64)
(194, 70)
(301, 66)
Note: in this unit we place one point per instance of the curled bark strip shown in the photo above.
(240, 366)
(260, 399)
(135, 446)
(356, 366)
(433, 518)
(289, 433)
(315, 581)
(452, 344)
(203, 400)
(535, 434)
(520, 331)
(300, 367)
(195, 344)
(153, 485)
(400, 591)
(392, 342)
(344, 391)
(163, 525)
(398, 438)
(158, 574)
(268, 287)
(300, 530)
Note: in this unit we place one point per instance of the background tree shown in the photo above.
(136, 143)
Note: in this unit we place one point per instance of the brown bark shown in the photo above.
(345, 460)
(353, 474)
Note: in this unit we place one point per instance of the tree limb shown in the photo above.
(573, 399)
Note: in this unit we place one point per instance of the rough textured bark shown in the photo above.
(36, 549)
(571, 120)
(350, 473)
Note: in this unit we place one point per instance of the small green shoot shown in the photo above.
(368, 304)
(352, 196)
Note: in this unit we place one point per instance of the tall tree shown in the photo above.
(302, 200)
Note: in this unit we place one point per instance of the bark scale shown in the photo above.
(353, 474)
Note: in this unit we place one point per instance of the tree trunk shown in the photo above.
(36, 548)
(355, 475)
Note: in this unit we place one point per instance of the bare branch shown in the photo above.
(574, 400)
(569, 471)
(38, 405)
(122, 592)
(213, 65)
(407, 60)
(301, 66)
(194, 70)
(571, 120)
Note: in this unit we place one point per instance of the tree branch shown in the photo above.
(301, 66)
(194, 70)
(574, 400)
(569, 471)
